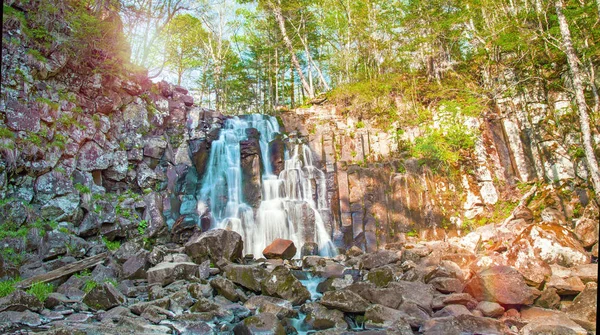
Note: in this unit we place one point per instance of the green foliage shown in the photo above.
(6, 133)
(37, 55)
(8, 286)
(82, 189)
(59, 141)
(142, 226)
(41, 290)
(89, 285)
(84, 273)
(412, 233)
(111, 245)
(360, 124)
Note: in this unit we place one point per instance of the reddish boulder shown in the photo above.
(280, 249)
(501, 284)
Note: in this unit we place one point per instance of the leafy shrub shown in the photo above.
(7, 286)
(142, 226)
(41, 290)
(111, 245)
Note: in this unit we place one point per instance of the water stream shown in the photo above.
(291, 201)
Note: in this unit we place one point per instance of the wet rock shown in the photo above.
(280, 249)
(490, 309)
(379, 258)
(464, 324)
(345, 301)
(584, 307)
(248, 276)
(215, 244)
(263, 323)
(318, 317)
(167, 272)
(265, 304)
(309, 249)
(227, 289)
(20, 301)
(281, 283)
(104, 296)
(501, 284)
(277, 150)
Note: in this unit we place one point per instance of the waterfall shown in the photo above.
(291, 202)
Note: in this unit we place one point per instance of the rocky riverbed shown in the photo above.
(207, 286)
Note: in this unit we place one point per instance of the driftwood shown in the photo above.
(523, 202)
(63, 271)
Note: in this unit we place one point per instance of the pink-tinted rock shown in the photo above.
(21, 117)
(280, 249)
(93, 157)
(501, 284)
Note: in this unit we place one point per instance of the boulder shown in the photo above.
(318, 317)
(586, 272)
(548, 299)
(248, 276)
(415, 315)
(380, 276)
(490, 309)
(383, 316)
(447, 285)
(203, 305)
(280, 249)
(226, 288)
(565, 286)
(215, 244)
(379, 258)
(24, 318)
(416, 292)
(464, 324)
(20, 301)
(265, 304)
(584, 307)
(166, 272)
(281, 283)
(135, 267)
(345, 301)
(452, 310)
(586, 231)
(536, 317)
(263, 323)
(553, 243)
(104, 296)
(309, 249)
(501, 284)
(92, 157)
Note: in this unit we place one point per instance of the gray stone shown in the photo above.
(345, 301)
(20, 301)
(104, 296)
(92, 157)
(281, 283)
(318, 317)
(263, 323)
(248, 276)
(166, 272)
(215, 245)
(265, 304)
(226, 288)
(490, 309)
(379, 258)
(464, 324)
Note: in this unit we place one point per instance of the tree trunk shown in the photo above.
(584, 118)
(281, 20)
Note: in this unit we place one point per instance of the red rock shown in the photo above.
(280, 248)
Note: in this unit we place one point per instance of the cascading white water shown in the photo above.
(290, 202)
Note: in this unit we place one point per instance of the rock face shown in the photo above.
(501, 284)
(215, 245)
(280, 249)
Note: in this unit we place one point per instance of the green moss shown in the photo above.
(37, 55)
(6, 133)
(89, 285)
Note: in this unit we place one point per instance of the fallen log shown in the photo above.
(63, 271)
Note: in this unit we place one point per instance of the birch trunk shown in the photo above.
(584, 118)
(286, 40)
